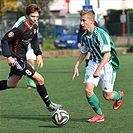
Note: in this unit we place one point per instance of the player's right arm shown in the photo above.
(79, 61)
(11, 61)
(8, 42)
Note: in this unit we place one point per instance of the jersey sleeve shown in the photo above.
(105, 45)
(8, 41)
(35, 45)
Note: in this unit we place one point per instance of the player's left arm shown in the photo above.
(35, 45)
(104, 60)
(37, 51)
(106, 52)
(39, 61)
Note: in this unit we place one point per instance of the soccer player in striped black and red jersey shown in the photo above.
(14, 48)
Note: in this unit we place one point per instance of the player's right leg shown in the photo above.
(94, 103)
(90, 83)
(10, 83)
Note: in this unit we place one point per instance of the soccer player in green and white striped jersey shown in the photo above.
(102, 66)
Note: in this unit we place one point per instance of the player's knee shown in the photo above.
(88, 92)
(107, 95)
(40, 81)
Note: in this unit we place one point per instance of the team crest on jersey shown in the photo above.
(11, 34)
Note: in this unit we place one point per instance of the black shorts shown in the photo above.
(21, 68)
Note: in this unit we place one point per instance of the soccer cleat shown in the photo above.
(96, 118)
(117, 104)
(31, 84)
(54, 106)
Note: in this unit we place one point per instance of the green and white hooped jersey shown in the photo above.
(99, 43)
(20, 21)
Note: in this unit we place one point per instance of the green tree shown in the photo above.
(43, 5)
(21, 10)
(1, 7)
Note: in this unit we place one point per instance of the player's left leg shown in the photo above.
(41, 89)
(107, 82)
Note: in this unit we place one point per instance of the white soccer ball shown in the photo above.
(60, 117)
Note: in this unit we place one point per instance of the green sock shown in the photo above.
(117, 96)
(94, 103)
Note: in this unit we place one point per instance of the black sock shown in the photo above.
(43, 93)
(3, 85)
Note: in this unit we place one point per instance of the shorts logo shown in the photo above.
(87, 77)
(105, 88)
(11, 34)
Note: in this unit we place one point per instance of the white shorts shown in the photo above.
(107, 76)
(30, 55)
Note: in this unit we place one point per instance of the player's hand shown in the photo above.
(11, 61)
(96, 74)
(39, 61)
(79, 45)
(75, 72)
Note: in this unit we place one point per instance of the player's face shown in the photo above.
(32, 18)
(87, 22)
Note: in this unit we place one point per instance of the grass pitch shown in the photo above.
(22, 110)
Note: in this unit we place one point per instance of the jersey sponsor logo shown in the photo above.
(27, 42)
(11, 34)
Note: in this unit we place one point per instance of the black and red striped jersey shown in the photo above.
(16, 41)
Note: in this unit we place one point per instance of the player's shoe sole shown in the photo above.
(117, 104)
(96, 118)
(30, 86)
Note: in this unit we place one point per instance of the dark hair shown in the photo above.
(31, 8)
